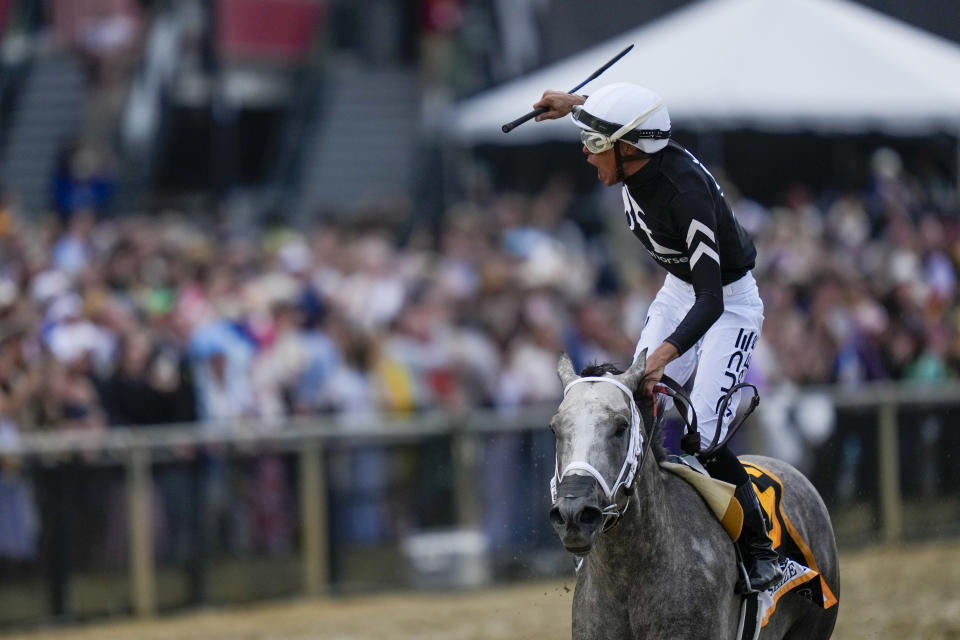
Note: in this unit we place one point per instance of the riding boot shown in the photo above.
(762, 562)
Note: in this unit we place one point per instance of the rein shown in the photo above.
(690, 442)
(637, 451)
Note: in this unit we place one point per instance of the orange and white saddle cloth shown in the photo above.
(800, 571)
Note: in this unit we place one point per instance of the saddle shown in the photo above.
(716, 493)
(800, 572)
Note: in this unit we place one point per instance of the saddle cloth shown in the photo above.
(800, 572)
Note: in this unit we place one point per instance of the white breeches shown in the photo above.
(723, 353)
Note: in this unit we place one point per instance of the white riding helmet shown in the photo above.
(623, 111)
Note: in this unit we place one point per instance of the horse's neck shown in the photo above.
(644, 533)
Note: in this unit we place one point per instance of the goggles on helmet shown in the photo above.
(603, 134)
(595, 142)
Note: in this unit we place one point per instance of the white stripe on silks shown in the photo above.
(695, 226)
(633, 211)
(659, 248)
(703, 250)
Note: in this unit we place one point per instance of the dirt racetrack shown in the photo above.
(906, 594)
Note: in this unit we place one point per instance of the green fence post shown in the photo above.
(313, 506)
(142, 569)
(466, 452)
(891, 506)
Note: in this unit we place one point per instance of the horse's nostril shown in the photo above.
(556, 518)
(591, 517)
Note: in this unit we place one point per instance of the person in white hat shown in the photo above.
(708, 314)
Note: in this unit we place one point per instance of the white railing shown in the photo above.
(137, 449)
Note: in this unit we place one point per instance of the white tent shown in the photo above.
(781, 65)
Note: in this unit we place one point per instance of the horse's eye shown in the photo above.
(621, 426)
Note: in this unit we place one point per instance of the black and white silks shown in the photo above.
(676, 209)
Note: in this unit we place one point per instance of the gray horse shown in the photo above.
(656, 562)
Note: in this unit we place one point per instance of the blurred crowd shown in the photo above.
(862, 286)
(138, 320)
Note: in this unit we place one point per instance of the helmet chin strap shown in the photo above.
(620, 159)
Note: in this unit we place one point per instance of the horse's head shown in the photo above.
(599, 445)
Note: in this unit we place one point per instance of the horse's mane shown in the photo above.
(644, 404)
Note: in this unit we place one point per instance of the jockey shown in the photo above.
(708, 314)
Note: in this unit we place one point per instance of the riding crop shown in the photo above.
(510, 126)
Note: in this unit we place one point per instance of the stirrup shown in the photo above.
(743, 575)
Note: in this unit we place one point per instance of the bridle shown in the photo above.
(638, 448)
(632, 463)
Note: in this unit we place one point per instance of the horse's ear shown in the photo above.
(632, 376)
(565, 370)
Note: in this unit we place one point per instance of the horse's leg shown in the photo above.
(816, 625)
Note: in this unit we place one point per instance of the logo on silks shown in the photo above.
(634, 219)
(737, 365)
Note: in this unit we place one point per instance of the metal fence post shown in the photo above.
(313, 506)
(466, 453)
(142, 570)
(891, 507)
